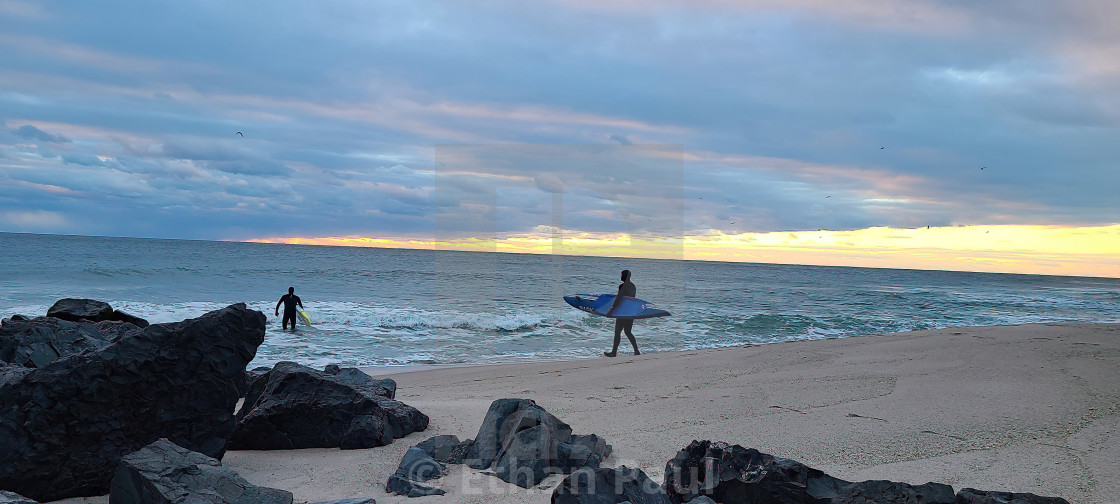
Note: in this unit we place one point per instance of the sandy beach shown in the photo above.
(1028, 408)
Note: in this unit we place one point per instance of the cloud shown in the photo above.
(407, 116)
(30, 132)
(32, 220)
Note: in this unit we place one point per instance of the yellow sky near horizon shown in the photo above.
(1042, 250)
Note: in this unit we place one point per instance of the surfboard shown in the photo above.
(629, 308)
(306, 319)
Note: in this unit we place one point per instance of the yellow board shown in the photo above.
(306, 319)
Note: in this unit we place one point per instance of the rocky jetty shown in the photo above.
(65, 424)
(294, 406)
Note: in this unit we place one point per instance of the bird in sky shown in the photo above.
(239, 133)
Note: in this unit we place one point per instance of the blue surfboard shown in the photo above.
(629, 308)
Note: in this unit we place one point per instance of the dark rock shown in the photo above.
(35, 343)
(65, 426)
(609, 486)
(583, 451)
(446, 448)
(91, 310)
(357, 500)
(737, 475)
(734, 475)
(14, 318)
(166, 473)
(973, 496)
(524, 444)
(7, 497)
(703, 499)
(890, 492)
(245, 383)
(332, 369)
(76, 310)
(131, 319)
(11, 373)
(416, 467)
(505, 418)
(295, 406)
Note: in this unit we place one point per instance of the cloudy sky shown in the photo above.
(808, 131)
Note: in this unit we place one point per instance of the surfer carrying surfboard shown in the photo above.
(626, 288)
(289, 300)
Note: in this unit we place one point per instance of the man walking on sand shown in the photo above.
(626, 288)
(289, 300)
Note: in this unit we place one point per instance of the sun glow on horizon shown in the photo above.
(1028, 249)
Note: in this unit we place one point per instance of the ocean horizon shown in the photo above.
(376, 307)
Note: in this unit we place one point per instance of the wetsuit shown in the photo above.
(628, 289)
(290, 301)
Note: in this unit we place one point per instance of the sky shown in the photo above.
(958, 135)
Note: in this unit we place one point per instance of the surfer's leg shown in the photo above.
(630, 335)
(287, 317)
(618, 324)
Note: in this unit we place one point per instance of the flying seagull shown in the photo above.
(239, 133)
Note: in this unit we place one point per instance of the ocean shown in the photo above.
(391, 307)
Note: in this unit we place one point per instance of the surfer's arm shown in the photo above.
(300, 303)
(617, 300)
(278, 305)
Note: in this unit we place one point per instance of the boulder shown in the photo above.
(385, 387)
(524, 444)
(416, 467)
(703, 499)
(91, 310)
(733, 474)
(65, 426)
(446, 448)
(609, 486)
(36, 342)
(737, 475)
(356, 500)
(76, 310)
(7, 497)
(891, 492)
(166, 473)
(294, 406)
(973, 496)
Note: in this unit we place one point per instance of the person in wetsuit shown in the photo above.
(626, 288)
(289, 300)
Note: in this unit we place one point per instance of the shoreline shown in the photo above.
(1026, 408)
